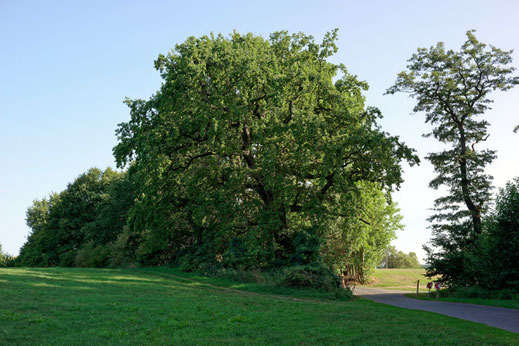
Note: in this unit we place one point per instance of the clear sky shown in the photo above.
(66, 67)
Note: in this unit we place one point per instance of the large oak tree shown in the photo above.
(248, 142)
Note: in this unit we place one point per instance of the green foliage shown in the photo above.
(494, 263)
(260, 277)
(255, 154)
(3, 260)
(502, 239)
(397, 259)
(310, 276)
(452, 89)
(248, 142)
(92, 256)
(480, 292)
(70, 227)
(197, 261)
(355, 242)
(39, 249)
(307, 248)
(122, 251)
(237, 255)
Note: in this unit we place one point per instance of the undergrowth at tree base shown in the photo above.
(316, 278)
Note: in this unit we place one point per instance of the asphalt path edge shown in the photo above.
(507, 319)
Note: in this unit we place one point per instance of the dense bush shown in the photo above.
(495, 262)
(307, 247)
(261, 277)
(313, 277)
(480, 292)
(91, 255)
(122, 250)
(489, 261)
(238, 256)
(310, 276)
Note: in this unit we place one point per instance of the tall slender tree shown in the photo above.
(452, 88)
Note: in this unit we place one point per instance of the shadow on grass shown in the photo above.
(163, 306)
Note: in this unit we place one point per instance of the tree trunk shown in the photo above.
(465, 182)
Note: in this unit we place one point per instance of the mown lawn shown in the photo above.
(163, 306)
(405, 280)
(401, 279)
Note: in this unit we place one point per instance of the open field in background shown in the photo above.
(398, 279)
(405, 280)
(164, 306)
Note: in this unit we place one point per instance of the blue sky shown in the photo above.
(66, 67)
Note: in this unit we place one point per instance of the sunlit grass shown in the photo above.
(163, 306)
(398, 279)
(405, 280)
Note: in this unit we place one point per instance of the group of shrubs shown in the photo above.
(489, 263)
(85, 226)
(313, 277)
(6, 260)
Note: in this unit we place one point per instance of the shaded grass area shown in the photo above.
(502, 303)
(163, 306)
(263, 285)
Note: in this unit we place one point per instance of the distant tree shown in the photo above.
(249, 142)
(397, 259)
(112, 210)
(2, 257)
(90, 213)
(452, 89)
(41, 245)
(413, 260)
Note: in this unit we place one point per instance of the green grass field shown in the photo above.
(398, 279)
(405, 280)
(164, 306)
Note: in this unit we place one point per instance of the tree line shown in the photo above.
(261, 154)
(81, 225)
(394, 259)
(254, 153)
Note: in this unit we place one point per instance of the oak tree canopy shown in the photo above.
(248, 143)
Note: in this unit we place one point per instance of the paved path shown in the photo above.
(507, 319)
